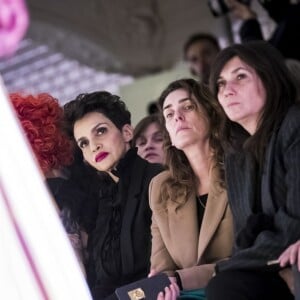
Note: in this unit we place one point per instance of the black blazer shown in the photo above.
(131, 259)
(264, 231)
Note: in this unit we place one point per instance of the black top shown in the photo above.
(120, 245)
(201, 204)
(265, 204)
(69, 199)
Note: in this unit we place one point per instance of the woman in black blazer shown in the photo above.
(255, 90)
(119, 242)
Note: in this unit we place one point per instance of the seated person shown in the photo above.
(147, 137)
(41, 118)
(119, 246)
(199, 52)
(262, 174)
(191, 222)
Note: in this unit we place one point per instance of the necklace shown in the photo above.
(200, 201)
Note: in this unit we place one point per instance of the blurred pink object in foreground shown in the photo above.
(14, 21)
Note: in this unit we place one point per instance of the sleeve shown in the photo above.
(196, 277)
(161, 260)
(285, 195)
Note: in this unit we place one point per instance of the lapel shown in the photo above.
(214, 211)
(126, 241)
(267, 204)
(183, 231)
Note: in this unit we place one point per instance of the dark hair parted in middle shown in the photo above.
(103, 102)
(277, 82)
(183, 180)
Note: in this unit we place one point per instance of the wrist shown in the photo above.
(178, 280)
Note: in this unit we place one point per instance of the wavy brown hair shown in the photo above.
(183, 181)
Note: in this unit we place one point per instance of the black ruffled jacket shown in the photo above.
(120, 244)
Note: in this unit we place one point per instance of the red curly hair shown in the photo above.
(41, 117)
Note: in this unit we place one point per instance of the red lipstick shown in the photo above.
(100, 156)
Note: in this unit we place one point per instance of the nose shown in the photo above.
(95, 146)
(228, 89)
(179, 116)
(149, 144)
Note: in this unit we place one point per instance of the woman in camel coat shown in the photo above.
(191, 222)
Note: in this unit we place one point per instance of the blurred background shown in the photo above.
(129, 47)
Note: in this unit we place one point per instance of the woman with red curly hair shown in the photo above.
(41, 118)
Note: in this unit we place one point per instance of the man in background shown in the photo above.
(199, 52)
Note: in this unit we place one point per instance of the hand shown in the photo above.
(171, 292)
(240, 10)
(291, 255)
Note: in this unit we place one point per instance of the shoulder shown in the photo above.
(149, 169)
(161, 177)
(293, 115)
(155, 187)
(289, 130)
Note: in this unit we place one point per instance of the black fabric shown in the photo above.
(251, 285)
(201, 203)
(120, 244)
(149, 286)
(276, 227)
(67, 195)
(285, 37)
(88, 182)
(256, 223)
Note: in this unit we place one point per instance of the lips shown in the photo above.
(232, 104)
(100, 156)
(180, 129)
(151, 154)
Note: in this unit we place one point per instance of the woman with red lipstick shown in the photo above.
(191, 223)
(119, 243)
(256, 91)
(147, 137)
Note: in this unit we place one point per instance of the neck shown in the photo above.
(250, 126)
(200, 159)
(114, 177)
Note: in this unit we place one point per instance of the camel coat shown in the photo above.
(177, 244)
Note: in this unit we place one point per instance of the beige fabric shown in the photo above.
(176, 242)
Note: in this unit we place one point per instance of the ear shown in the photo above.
(127, 132)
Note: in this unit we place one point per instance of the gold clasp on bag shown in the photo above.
(136, 294)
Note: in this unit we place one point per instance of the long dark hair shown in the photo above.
(280, 90)
(183, 181)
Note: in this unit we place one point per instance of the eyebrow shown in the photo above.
(236, 70)
(180, 101)
(93, 130)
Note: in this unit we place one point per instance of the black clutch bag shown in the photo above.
(147, 288)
